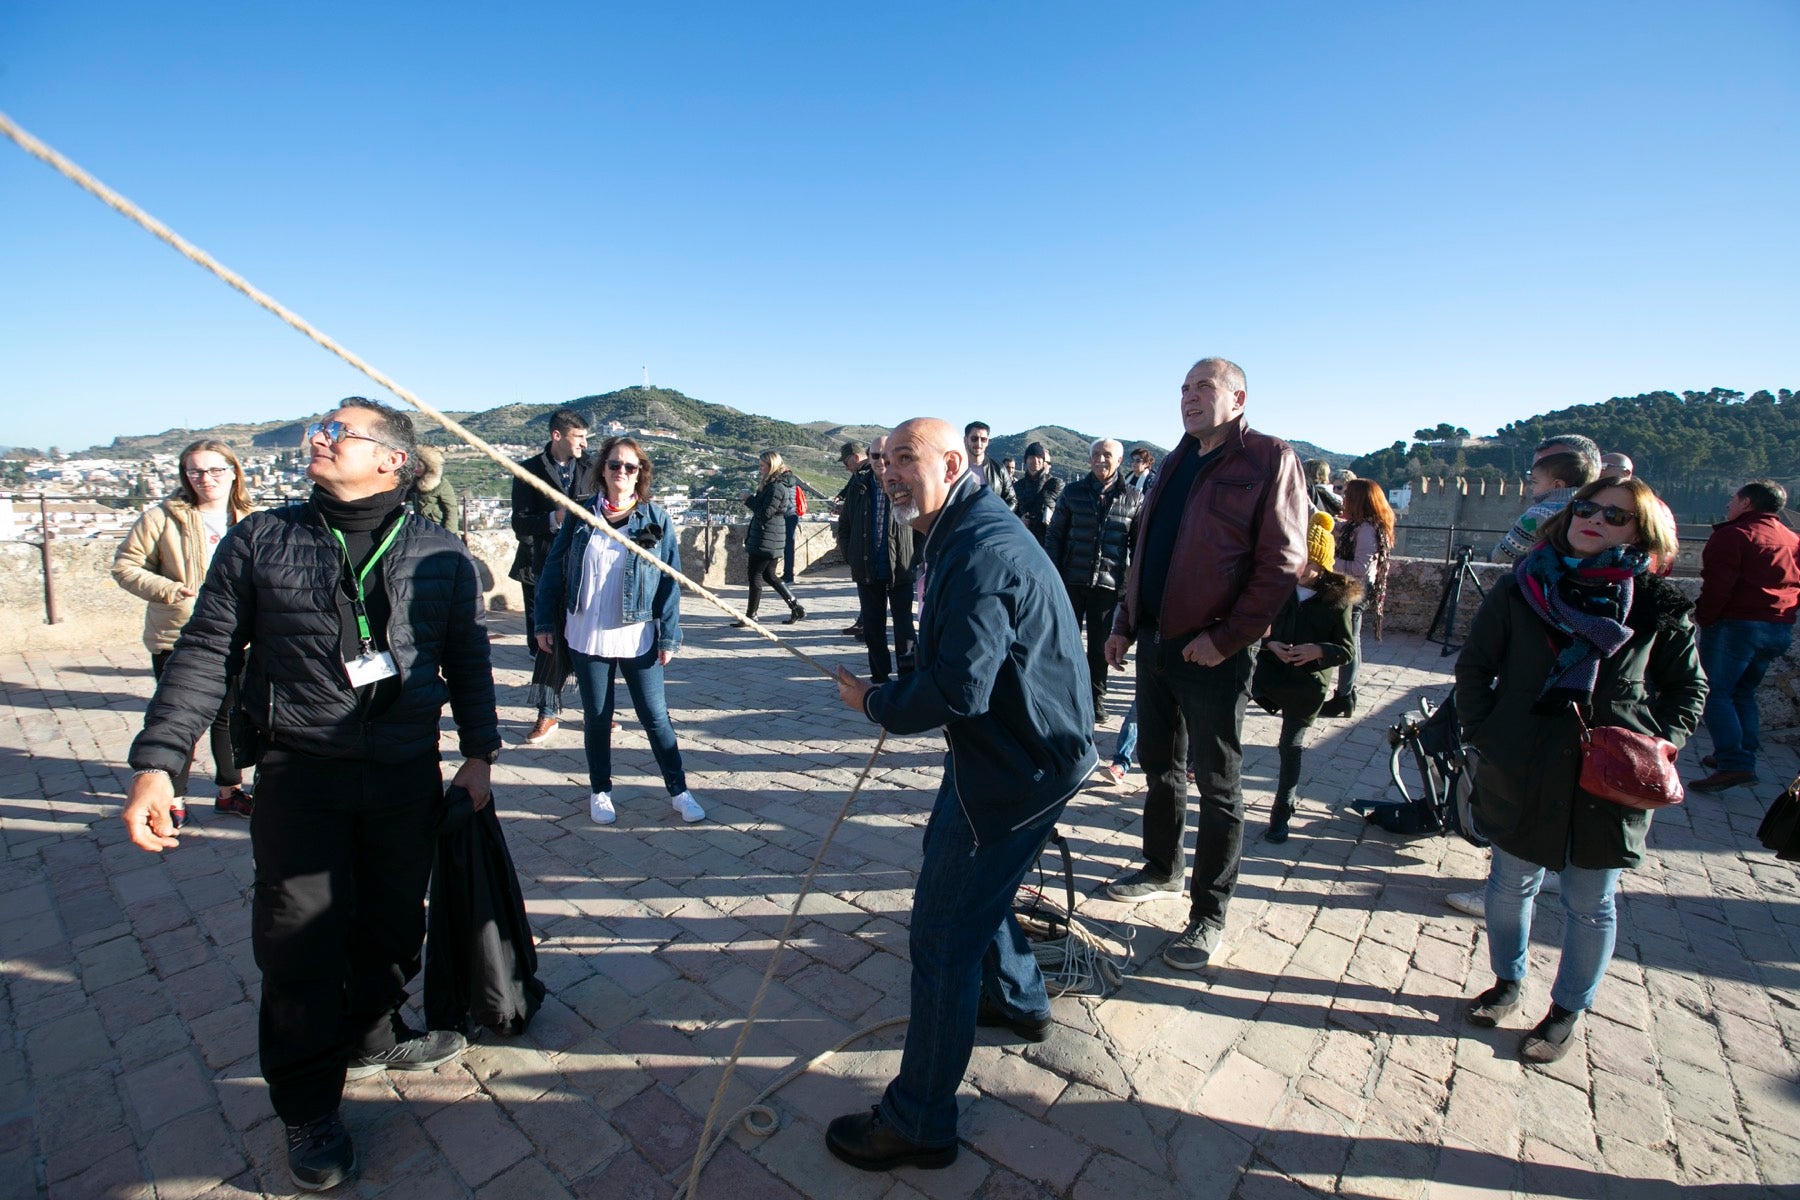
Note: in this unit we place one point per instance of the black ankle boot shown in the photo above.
(795, 613)
(1277, 832)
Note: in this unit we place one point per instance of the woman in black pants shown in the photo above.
(769, 508)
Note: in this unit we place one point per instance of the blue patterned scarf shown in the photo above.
(1587, 604)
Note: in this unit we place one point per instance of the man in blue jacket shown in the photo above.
(1000, 669)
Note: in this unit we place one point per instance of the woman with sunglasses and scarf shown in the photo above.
(163, 560)
(617, 615)
(1581, 630)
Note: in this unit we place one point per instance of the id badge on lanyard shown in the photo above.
(370, 665)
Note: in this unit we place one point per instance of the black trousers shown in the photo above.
(1094, 609)
(225, 768)
(1192, 715)
(875, 601)
(762, 570)
(547, 700)
(343, 854)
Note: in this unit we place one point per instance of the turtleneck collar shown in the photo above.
(357, 516)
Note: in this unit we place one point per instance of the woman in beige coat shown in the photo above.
(164, 560)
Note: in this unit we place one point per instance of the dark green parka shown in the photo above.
(1322, 619)
(1527, 798)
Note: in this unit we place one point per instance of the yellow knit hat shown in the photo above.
(1320, 549)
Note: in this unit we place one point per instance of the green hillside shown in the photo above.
(1695, 448)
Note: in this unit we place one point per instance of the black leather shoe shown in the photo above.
(320, 1154)
(1032, 1029)
(868, 1144)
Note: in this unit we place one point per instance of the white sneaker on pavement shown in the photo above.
(1472, 903)
(688, 807)
(601, 810)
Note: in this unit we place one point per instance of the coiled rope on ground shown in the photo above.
(756, 1117)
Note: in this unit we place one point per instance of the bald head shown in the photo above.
(924, 456)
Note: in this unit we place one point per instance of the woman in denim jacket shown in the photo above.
(618, 616)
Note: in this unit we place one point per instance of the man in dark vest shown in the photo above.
(356, 624)
(566, 466)
(878, 546)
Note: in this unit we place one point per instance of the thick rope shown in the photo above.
(194, 254)
(127, 209)
(703, 1151)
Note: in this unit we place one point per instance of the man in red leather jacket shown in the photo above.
(1222, 538)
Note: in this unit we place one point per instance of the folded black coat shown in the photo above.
(480, 962)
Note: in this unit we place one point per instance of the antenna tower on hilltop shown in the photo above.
(646, 377)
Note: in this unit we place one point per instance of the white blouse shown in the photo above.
(597, 626)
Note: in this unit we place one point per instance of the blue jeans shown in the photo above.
(1735, 656)
(1125, 751)
(1589, 925)
(964, 942)
(644, 680)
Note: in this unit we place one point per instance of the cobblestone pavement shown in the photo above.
(1326, 1054)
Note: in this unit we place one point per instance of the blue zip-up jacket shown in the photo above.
(1000, 666)
(650, 595)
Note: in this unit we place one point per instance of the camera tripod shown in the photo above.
(1460, 572)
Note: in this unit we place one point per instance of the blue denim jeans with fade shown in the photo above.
(1735, 656)
(1590, 925)
(644, 680)
(965, 942)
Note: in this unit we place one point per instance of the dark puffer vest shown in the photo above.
(273, 588)
(1092, 533)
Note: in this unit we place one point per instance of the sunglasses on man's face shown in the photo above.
(1612, 514)
(336, 432)
(613, 464)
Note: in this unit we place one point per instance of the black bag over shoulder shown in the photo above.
(1780, 829)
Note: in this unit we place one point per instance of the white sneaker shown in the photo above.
(1472, 903)
(601, 810)
(688, 807)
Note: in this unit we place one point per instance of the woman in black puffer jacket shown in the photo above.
(1581, 629)
(770, 507)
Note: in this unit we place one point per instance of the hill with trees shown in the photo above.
(1695, 448)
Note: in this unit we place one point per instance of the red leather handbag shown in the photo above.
(1627, 767)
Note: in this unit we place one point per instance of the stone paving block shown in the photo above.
(1109, 1177)
(476, 1138)
(116, 1175)
(797, 1154)
(1080, 1058)
(1036, 1150)
(625, 1176)
(1106, 1122)
(1701, 1098)
(528, 1180)
(172, 1087)
(658, 1127)
(190, 1157)
(71, 1043)
(1242, 1090)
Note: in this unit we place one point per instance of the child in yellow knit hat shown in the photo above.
(1310, 637)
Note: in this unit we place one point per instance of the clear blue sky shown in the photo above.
(1390, 214)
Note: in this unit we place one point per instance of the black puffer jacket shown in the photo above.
(1093, 531)
(1035, 501)
(770, 508)
(273, 587)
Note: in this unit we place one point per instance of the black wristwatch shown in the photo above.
(490, 758)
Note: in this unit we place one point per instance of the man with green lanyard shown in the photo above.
(355, 625)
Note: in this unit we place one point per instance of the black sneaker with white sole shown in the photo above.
(425, 1052)
(320, 1154)
(1141, 885)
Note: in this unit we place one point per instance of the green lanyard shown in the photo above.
(357, 577)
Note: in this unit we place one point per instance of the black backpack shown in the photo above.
(1434, 773)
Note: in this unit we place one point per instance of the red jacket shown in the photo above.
(1749, 571)
(1241, 545)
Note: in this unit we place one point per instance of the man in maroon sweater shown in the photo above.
(1749, 597)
